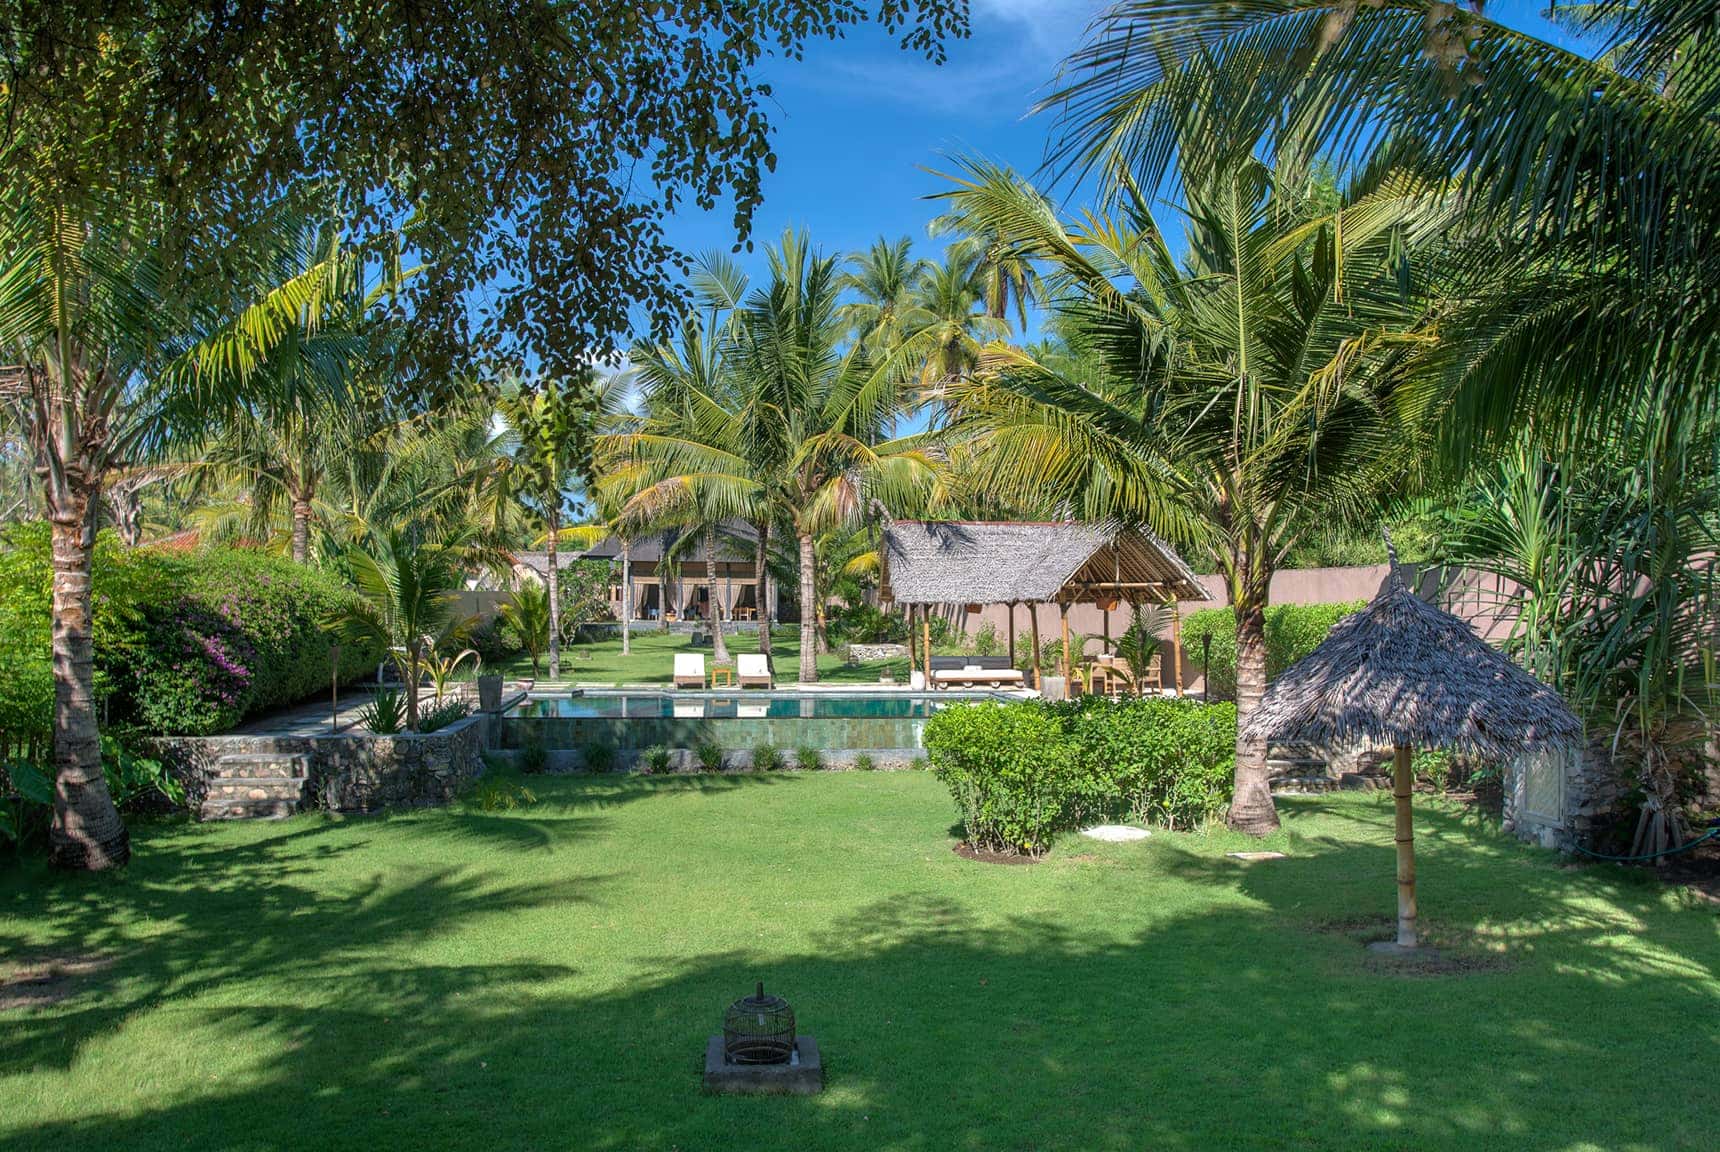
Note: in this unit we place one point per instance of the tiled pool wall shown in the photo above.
(841, 739)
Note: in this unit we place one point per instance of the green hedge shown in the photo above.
(184, 644)
(1292, 631)
(1023, 773)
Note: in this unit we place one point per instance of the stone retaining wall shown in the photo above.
(349, 771)
(866, 653)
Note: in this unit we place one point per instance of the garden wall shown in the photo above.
(349, 772)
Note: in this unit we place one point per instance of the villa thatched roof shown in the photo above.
(957, 562)
(1402, 671)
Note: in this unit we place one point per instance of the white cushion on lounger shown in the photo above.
(689, 665)
(752, 666)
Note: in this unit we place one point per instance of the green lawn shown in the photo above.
(652, 660)
(546, 980)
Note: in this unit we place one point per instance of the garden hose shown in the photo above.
(1711, 834)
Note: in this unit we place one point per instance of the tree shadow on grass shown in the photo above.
(941, 1027)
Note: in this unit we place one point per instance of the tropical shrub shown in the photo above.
(862, 623)
(985, 640)
(1012, 771)
(865, 763)
(496, 793)
(493, 642)
(584, 593)
(524, 622)
(385, 715)
(1292, 631)
(766, 758)
(1022, 773)
(443, 714)
(658, 759)
(534, 755)
(808, 759)
(599, 757)
(710, 756)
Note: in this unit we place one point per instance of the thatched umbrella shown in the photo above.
(1403, 672)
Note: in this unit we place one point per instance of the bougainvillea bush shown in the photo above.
(184, 644)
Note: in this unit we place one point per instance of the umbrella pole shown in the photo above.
(1402, 782)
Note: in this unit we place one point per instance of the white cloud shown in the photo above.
(1052, 26)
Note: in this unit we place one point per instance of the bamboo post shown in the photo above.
(1402, 782)
(1176, 644)
(926, 640)
(1012, 633)
(333, 690)
(1068, 669)
(1038, 673)
(913, 642)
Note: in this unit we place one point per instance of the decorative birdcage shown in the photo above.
(759, 1029)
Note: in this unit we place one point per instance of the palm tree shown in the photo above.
(554, 423)
(1575, 302)
(1231, 402)
(101, 361)
(526, 611)
(408, 590)
(791, 432)
(885, 282)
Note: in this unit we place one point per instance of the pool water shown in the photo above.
(737, 705)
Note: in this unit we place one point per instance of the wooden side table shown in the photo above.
(722, 676)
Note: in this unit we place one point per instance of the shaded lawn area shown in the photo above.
(450, 980)
(652, 660)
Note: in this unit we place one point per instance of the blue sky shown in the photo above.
(858, 120)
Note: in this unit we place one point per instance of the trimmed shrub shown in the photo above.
(658, 759)
(1012, 771)
(766, 758)
(599, 757)
(1292, 631)
(242, 633)
(1022, 773)
(808, 759)
(710, 756)
(1166, 762)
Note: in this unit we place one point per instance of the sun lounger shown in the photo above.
(752, 669)
(974, 671)
(689, 670)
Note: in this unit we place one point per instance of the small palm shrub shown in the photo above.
(534, 756)
(865, 763)
(710, 756)
(385, 715)
(657, 759)
(599, 757)
(808, 758)
(766, 758)
(499, 794)
(443, 714)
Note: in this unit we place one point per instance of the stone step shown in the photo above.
(257, 788)
(247, 809)
(260, 765)
(1362, 781)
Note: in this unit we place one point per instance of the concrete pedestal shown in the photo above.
(803, 1077)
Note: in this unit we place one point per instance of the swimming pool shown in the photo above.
(631, 721)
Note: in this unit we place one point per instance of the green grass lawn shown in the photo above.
(546, 980)
(652, 660)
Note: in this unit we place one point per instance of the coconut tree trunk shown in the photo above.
(626, 598)
(761, 586)
(302, 525)
(86, 831)
(808, 610)
(414, 670)
(553, 582)
(1251, 808)
(719, 648)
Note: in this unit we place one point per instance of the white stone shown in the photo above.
(1115, 833)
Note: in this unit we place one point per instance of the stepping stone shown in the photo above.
(1250, 857)
(1115, 833)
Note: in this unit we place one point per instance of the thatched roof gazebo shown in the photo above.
(1405, 673)
(927, 563)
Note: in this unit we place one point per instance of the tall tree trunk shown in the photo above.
(414, 672)
(808, 610)
(302, 525)
(1251, 809)
(554, 584)
(626, 597)
(761, 586)
(86, 831)
(719, 649)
